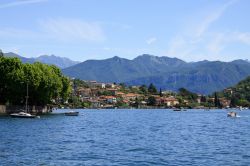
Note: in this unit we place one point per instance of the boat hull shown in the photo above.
(71, 113)
(20, 116)
(232, 114)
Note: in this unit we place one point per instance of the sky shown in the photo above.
(192, 30)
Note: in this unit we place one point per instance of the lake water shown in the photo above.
(127, 137)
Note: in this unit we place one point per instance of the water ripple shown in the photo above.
(127, 137)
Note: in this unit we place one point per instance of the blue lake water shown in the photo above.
(127, 137)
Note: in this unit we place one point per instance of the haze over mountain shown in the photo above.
(167, 73)
(60, 62)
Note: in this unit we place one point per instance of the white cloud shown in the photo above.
(220, 40)
(59, 30)
(202, 43)
(212, 17)
(151, 40)
(72, 29)
(20, 2)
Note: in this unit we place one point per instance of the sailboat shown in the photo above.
(24, 113)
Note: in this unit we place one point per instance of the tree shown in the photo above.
(136, 103)
(66, 89)
(45, 82)
(216, 100)
(152, 89)
(151, 101)
(11, 80)
(143, 89)
(244, 103)
(1, 53)
(234, 100)
(203, 99)
(123, 85)
(160, 93)
(187, 94)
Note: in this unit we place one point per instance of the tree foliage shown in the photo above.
(151, 101)
(239, 95)
(186, 94)
(152, 89)
(216, 100)
(45, 82)
(1, 53)
(143, 89)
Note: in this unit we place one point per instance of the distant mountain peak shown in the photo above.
(165, 72)
(145, 56)
(116, 58)
(11, 54)
(60, 62)
(240, 61)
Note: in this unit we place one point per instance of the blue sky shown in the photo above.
(191, 30)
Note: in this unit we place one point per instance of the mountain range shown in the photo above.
(202, 77)
(60, 62)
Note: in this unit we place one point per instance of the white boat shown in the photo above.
(24, 113)
(71, 113)
(231, 114)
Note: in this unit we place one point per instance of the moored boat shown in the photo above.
(22, 115)
(71, 113)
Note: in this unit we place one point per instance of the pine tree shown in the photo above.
(216, 100)
(152, 89)
(160, 93)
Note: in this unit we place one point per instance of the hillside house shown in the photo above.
(130, 96)
(224, 102)
(83, 92)
(170, 101)
(109, 99)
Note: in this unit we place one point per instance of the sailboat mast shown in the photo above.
(27, 96)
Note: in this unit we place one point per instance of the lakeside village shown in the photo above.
(39, 88)
(97, 95)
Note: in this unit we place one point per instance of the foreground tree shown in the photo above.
(45, 83)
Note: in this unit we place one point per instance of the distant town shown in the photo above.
(98, 95)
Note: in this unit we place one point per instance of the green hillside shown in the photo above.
(238, 94)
